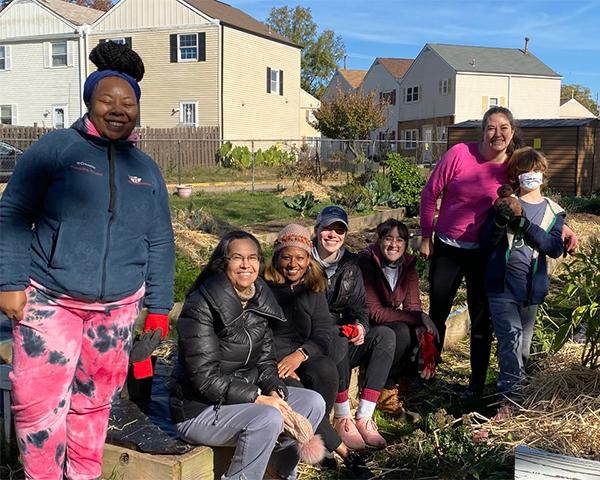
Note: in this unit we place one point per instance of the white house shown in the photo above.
(345, 79)
(448, 84)
(42, 44)
(384, 76)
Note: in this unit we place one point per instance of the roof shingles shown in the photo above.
(73, 13)
(492, 60)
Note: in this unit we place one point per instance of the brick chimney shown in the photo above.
(526, 51)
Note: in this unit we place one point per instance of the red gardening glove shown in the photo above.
(350, 331)
(157, 320)
(142, 369)
(428, 356)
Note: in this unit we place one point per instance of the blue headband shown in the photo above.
(98, 75)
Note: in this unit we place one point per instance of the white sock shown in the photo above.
(342, 409)
(365, 409)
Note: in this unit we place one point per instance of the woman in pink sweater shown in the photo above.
(467, 176)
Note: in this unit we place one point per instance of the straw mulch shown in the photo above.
(193, 243)
(320, 192)
(560, 409)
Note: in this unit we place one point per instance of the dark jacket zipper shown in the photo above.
(111, 208)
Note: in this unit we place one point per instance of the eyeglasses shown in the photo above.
(390, 240)
(237, 259)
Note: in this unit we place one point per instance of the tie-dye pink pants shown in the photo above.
(70, 359)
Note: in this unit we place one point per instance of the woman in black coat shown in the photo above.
(226, 389)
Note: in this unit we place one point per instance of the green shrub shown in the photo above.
(407, 181)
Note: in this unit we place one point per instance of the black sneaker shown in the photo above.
(357, 467)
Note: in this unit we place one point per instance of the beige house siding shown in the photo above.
(166, 84)
(143, 14)
(535, 97)
(61, 86)
(526, 97)
(574, 109)
(426, 72)
(308, 103)
(250, 112)
(30, 20)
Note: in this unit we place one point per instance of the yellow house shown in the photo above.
(209, 64)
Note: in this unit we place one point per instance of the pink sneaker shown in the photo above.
(368, 430)
(346, 429)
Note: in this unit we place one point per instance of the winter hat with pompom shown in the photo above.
(310, 446)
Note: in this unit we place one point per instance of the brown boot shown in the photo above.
(390, 402)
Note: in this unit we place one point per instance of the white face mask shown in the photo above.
(531, 180)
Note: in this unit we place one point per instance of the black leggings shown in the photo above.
(406, 341)
(376, 354)
(320, 374)
(449, 265)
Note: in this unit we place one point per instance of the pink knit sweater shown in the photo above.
(468, 184)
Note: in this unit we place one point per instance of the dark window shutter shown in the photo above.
(202, 46)
(280, 82)
(173, 39)
(393, 135)
(128, 41)
(393, 97)
(268, 79)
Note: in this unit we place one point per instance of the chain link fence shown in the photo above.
(175, 155)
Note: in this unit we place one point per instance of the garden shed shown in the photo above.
(571, 145)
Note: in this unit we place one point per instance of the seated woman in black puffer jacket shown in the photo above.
(226, 389)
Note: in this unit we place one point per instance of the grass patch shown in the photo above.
(240, 208)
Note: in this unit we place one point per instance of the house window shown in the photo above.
(59, 54)
(442, 134)
(274, 81)
(4, 57)
(493, 102)
(59, 116)
(388, 97)
(119, 41)
(412, 94)
(188, 47)
(409, 139)
(188, 114)
(6, 114)
(444, 86)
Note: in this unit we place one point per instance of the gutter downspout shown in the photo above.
(575, 193)
(221, 101)
(509, 92)
(84, 31)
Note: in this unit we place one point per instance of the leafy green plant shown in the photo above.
(582, 291)
(407, 181)
(301, 203)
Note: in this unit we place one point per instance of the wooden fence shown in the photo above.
(171, 148)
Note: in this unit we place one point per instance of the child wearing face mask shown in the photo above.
(516, 278)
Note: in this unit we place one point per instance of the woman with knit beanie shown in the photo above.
(303, 342)
(86, 242)
(226, 390)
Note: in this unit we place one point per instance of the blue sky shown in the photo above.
(564, 34)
